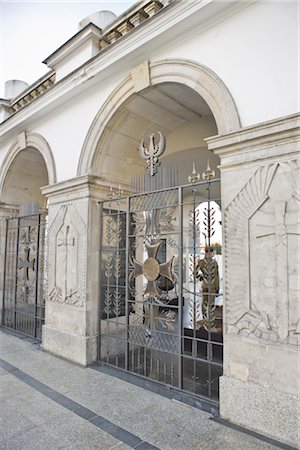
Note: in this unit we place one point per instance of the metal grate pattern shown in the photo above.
(161, 286)
(24, 268)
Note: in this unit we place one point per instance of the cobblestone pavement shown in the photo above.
(49, 403)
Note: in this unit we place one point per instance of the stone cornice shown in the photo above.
(89, 32)
(85, 185)
(284, 129)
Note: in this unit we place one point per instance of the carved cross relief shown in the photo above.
(280, 230)
(67, 257)
(263, 255)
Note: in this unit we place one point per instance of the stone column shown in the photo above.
(72, 301)
(260, 175)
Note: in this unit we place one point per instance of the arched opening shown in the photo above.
(24, 172)
(174, 109)
(184, 73)
(25, 176)
(165, 327)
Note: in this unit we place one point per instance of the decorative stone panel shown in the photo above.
(67, 253)
(262, 240)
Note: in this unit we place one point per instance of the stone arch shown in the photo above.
(189, 73)
(23, 141)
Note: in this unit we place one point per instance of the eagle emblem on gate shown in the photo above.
(152, 153)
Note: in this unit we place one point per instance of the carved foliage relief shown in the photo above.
(67, 258)
(262, 237)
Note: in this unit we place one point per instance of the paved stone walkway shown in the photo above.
(49, 403)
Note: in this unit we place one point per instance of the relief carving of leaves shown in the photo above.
(117, 299)
(194, 221)
(194, 311)
(107, 301)
(139, 221)
(118, 262)
(165, 219)
(108, 264)
(166, 319)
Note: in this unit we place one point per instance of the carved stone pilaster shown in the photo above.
(262, 247)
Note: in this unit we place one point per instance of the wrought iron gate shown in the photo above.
(23, 287)
(161, 303)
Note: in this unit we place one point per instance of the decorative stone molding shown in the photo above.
(35, 90)
(23, 141)
(241, 146)
(143, 12)
(67, 252)
(113, 34)
(141, 76)
(262, 244)
(189, 73)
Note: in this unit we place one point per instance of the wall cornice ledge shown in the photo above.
(85, 182)
(283, 129)
(86, 185)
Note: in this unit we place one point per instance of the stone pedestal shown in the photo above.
(260, 173)
(72, 303)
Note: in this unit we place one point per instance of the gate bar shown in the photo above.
(36, 274)
(127, 283)
(4, 272)
(180, 299)
(16, 272)
(100, 279)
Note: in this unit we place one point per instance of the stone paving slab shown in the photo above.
(49, 403)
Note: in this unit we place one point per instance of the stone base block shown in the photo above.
(79, 349)
(261, 409)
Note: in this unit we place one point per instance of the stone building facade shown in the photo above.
(220, 80)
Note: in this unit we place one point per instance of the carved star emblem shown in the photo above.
(152, 269)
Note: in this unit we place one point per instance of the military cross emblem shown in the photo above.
(152, 269)
(26, 264)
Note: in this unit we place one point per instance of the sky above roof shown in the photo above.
(32, 30)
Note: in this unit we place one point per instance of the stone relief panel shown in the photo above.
(262, 237)
(67, 258)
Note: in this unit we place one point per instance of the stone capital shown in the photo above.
(257, 142)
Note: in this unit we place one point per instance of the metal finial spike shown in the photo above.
(209, 173)
(194, 176)
(110, 194)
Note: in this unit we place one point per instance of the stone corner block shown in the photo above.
(261, 409)
(79, 349)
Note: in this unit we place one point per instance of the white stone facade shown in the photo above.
(220, 80)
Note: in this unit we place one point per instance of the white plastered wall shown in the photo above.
(255, 53)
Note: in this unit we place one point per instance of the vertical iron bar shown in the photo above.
(4, 271)
(36, 275)
(194, 340)
(209, 293)
(16, 272)
(180, 299)
(100, 299)
(127, 283)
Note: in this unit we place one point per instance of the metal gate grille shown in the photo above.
(23, 289)
(161, 312)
